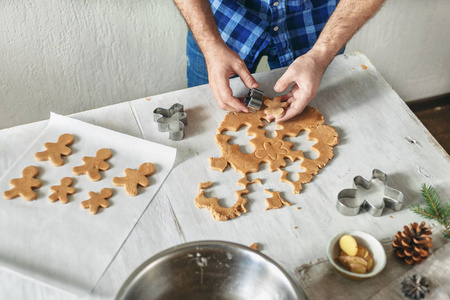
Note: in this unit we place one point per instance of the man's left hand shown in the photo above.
(305, 72)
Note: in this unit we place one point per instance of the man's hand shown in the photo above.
(305, 72)
(223, 63)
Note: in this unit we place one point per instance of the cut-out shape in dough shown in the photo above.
(134, 178)
(23, 187)
(271, 150)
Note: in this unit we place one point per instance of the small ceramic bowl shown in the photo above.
(365, 240)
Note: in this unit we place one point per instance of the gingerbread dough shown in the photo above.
(92, 165)
(56, 150)
(221, 213)
(204, 185)
(274, 150)
(275, 201)
(23, 187)
(275, 107)
(134, 178)
(60, 192)
(97, 200)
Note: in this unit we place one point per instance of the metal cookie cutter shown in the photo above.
(254, 99)
(392, 198)
(172, 120)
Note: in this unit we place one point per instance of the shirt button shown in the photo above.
(276, 3)
(276, 28)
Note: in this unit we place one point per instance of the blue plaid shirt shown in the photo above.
(248, 26)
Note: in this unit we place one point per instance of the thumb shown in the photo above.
(247, 78)
(283, 83)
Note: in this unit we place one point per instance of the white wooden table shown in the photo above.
(375, 130)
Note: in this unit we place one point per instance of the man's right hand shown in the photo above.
(223, 63)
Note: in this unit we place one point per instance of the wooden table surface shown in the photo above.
(375, 131)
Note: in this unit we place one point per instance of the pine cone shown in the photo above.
(414, 243)
(415, 287)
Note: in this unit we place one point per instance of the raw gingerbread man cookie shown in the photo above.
(60, 192)
(134, 178)
(92, 165)
(96, 200)
(275, 107)
(23, 186)
(56, 150)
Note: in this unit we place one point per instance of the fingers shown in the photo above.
(296, 107)
(221, 66)
(286, 96)
(246, 77)
(283, 83)
(224, 96)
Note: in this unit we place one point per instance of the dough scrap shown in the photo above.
(254, 246)
(60, 192)
(274, 151)
(97, 200)
(134, 178)
(204, 185)
(56, 150)
(92, 165)
(221, 213)
(23, 187)
(275, 201)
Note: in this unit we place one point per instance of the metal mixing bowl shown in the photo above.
(210, 270)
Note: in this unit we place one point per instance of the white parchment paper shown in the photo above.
(63, 244)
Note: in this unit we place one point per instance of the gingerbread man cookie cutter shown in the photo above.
(392, 198)
(254, 99)
(172, 120)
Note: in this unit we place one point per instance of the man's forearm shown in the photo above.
(200, 20)
(347, 18)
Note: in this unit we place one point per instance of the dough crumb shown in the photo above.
(298, 208)
(254, 246)
(204, 185)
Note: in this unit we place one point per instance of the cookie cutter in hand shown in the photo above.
(392, 198)
(254, 99)
(172, 120)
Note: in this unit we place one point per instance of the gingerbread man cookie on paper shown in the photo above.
(56, 150)
(23, 186)
(60, 192)
(134, 178)
(97, 200)
(92, 165)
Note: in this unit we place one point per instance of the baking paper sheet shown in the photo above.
(63, 244)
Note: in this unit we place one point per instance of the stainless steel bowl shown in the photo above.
(210, 270)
